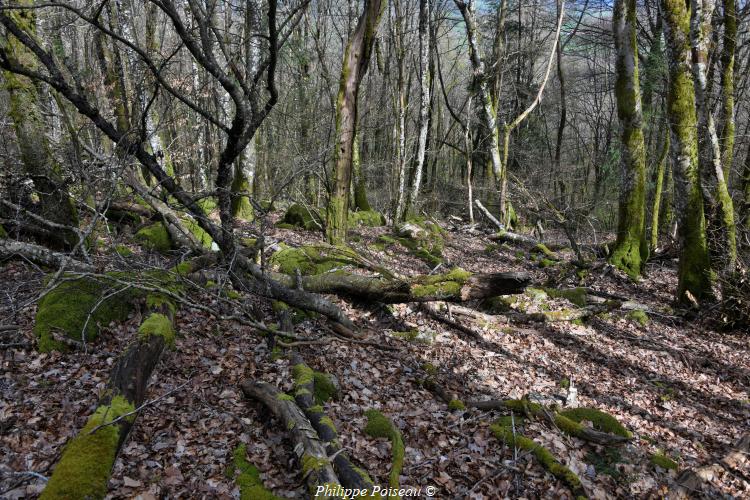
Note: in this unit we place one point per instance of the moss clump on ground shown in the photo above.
(663, 461)
(544, 263)
(248, 477)
(312, 259)
(505, 433)
(155, 237)
(76, 308)
(576, 296)
(157, 324)
(300, 216)
(378, 425)
(639, 316)
(3, 233)
(84, 469)
(368, 218)
(456, 404)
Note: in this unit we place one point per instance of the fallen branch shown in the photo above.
(40, 255)
(310, 450)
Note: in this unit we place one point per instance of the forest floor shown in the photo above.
(679, 386)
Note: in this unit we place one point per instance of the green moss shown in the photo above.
(565, 383)
(576, 296)
(368, 218)
(602, 421)
(155, 237)
(544, 456)
(302, 217)
(67, 307)
(311, 463)
(441, 285)
(284, 225)
(639, 316)
(302, 374)
(430, 369)
(248, 477)
(159, 300)
(544, 263)
(198, 232)
(183, 268)
(325, 389)
(123, 251)
(313, 259)
(87, 460)
(284, 397)
(208, 204)
(378, 425)
(456, 404)
(3, 233)
(326, 421)
(541, 248)
(663, 461)
(157, 324)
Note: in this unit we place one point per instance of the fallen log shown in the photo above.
(41, 255)
(454, 286)
(87, 460)
(350, 475)
(489, 216)
(310, 450)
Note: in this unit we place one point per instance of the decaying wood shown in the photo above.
(346, 471)
(307, 444)
(40, 255)
(129, 381)
(489, 216)
(389, 291)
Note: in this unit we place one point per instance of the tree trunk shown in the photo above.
(631, 251)
(424, 105)
(694, 282)
(716, 198)
(54, 203)
(659, 189)
(356, 59)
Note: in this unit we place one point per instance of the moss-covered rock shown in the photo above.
(306, 218)
(155, 237)
(447, 284)
(368, 218)
(77, 309)
(248, 477)
(312, 259)
(84, 469)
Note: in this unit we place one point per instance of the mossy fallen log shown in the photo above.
(311, 389)
(311, 451)
(86, 463)
(505, 432)
(455, 286)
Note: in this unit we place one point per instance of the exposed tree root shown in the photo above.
(311, 451)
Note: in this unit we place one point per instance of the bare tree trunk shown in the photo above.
(424, 104)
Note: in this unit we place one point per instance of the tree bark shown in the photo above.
(356, 59)
(631, 251)
(694, 283)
